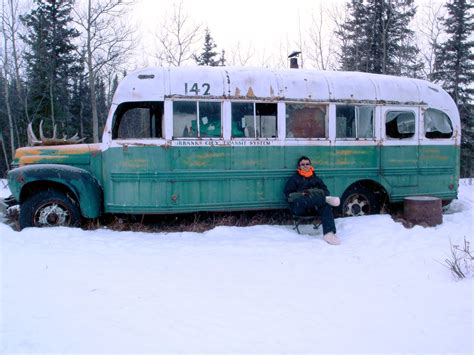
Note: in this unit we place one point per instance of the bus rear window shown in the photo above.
(437, 124)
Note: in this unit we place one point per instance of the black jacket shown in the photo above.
(298, 183)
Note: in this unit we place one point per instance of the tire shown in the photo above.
(49, 208)
(360, 201)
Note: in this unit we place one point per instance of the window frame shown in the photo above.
(198, 122)
(396, 141)
(151, 106)
(356, 120)
(444, 114)
(254, 106)
(309, 104)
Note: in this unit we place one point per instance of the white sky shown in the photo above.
(263, 23)
(267, 26)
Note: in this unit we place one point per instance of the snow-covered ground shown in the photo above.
(238, 290)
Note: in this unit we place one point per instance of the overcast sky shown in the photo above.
(263, 23)
(266, 25)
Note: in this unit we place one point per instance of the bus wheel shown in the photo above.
(49, 208)
(360, 201)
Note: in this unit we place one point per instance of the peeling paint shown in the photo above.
(250, 92)
(351, 152)
(136, 163)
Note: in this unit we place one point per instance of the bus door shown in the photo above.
(134, 157)
(399, 154)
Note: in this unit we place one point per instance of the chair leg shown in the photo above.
(296, 224)
(298, 219)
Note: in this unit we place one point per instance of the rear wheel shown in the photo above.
(49, 208)
(360, 201)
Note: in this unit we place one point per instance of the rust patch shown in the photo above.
(56, 150)
(250, 92)
(21, 179)
(33, 159)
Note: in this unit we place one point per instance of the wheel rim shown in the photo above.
(357, 205)
(52, 214)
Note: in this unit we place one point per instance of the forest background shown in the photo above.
(61, 60)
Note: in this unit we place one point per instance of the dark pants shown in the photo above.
(315, 205)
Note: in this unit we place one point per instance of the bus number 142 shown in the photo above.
(196, 90)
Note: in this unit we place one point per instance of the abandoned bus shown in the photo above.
(225, 139)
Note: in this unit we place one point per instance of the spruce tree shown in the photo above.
(51, 59)
(209, 54)
(376, 37)
(353, 35)
(454, 71)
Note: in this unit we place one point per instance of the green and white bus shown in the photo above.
(226, 139)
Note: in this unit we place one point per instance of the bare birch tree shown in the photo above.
(13, 28)
(176, 37)
(240, 55)
(322, 38)
(108, 42)
(6, 74)
(429, 30)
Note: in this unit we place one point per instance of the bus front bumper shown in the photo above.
(6, 203)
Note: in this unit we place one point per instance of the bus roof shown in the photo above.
(262, 84)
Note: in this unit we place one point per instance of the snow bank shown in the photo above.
(238, 290)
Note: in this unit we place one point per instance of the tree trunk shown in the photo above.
(51, 99)
(4, 152)
(90, 69)
(16, 61)
(7, 91)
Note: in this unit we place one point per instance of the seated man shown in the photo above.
(308, 195)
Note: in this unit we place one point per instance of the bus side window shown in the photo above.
(184, 119)
(305, 121)
(209, 119)
(266, 120)
(354, 121)
(242, 119)
(138, 120)
(186, 123)
(437, 124)
(400, 124)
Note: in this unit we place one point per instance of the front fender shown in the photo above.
(80, 182)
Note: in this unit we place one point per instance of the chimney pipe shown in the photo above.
(294, 63)
(294, 59)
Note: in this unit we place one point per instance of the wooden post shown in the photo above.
(423, 210)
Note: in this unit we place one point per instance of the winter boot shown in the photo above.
(331, 238)
(333, 201)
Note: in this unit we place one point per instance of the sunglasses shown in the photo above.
(305, 164)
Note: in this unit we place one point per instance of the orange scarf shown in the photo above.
(306, 174)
